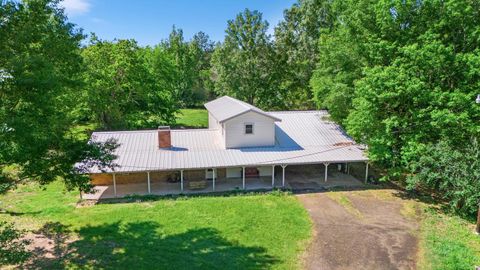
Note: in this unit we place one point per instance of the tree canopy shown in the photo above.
(121, 91)
(402, 76)
(244, 65)
(40, 65)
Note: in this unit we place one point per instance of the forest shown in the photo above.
(400, 76)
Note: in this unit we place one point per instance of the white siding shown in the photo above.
(234, 172)
(265, 170)
(212, 122)
(263, 131)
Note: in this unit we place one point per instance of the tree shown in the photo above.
(121, 91)
(339, 66)
(296, 38)
(12, 247)
(204, 47)
(399, 75)
(191, 61)
(244, 66)
(41, 75)
(452, 173)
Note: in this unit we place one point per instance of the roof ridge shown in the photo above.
(244, 104)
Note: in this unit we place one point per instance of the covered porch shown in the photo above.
(294, 177)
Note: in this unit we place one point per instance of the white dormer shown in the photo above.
(240, 124)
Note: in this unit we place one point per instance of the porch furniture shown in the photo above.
(197, 184)
(251, 172)
(175, 178)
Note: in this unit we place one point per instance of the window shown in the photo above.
(248, 128)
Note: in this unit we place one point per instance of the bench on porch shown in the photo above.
(197, 184)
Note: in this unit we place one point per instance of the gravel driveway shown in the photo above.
(360, 230)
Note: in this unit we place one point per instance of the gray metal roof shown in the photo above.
(225, 108)
(302, 137)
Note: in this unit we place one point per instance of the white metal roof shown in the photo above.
(225, 108)
(302, 137)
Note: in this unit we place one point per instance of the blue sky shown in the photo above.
(150, 21)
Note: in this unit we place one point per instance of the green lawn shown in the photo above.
(255, 231)
(447, 242)
(192, 118)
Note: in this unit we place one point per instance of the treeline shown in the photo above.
(129, 86)
(399, 76)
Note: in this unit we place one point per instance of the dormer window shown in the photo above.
(249, 128)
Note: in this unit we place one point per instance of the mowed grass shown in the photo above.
(192, 118)
(257, 231)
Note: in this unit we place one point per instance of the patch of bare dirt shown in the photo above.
(48, 245)
(380, 238)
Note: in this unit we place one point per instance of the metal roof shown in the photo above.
(302, 137)
(226, 108)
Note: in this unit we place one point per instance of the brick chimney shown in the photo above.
(164, 138)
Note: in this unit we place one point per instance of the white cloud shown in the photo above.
(76, 7)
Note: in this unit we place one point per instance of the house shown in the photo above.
(244, 147)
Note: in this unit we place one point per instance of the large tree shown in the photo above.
(190, 79)
(296, 38)
(244, 65)
(40, 75)
(121, 90)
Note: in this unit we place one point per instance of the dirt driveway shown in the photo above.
(371, 229)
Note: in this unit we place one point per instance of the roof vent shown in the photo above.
(164, 137)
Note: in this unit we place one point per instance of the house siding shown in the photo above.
(213, 124)
(265, 170)
(234, 172)
(263, 131)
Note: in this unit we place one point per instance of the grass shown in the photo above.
(236, 232)
(447, 241)
(344, 201)
(192, 118)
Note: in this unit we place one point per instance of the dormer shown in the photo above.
(240, 124)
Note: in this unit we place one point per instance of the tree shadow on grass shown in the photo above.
(434, 204)
(142, 245)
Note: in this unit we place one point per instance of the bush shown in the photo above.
(453, 173)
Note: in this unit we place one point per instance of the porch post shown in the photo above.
(283, 175)
(114, 186)
(181, 180)
(273, 176)
(213, 172)
(366, 172)
(326, 171)
(148, 182)
(243, 177)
